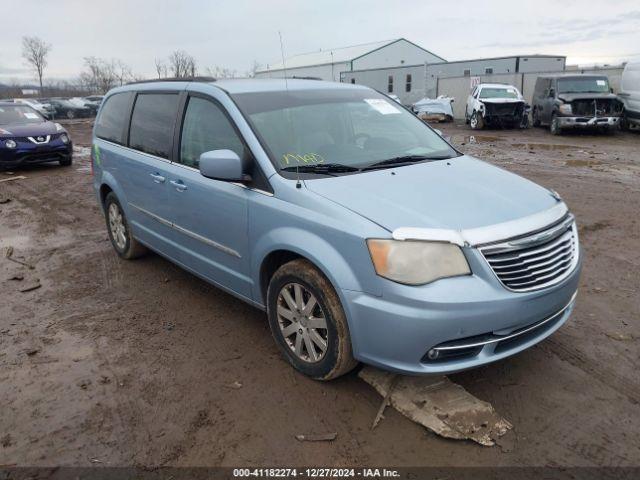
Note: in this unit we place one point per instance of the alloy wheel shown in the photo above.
(117, 226)
(302, 323)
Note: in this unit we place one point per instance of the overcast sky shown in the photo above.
(233, 34)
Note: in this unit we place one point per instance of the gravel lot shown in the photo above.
(111, 362)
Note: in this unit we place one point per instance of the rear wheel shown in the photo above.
(476, 122)
(119, 230)
(308, 322)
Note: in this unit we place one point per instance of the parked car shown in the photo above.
(630, 95)
(362, 233)
(66, 109)
(575, 101)
(494, 104)
(81, 102)
(95, 100)
(26, 138)
(45, 109)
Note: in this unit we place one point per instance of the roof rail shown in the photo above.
(175, 79)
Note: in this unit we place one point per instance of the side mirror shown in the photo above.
(223, 165)
(552, 92)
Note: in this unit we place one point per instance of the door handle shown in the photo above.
(157, 178)
(179, 185)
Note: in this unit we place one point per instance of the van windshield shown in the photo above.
(354, 128)
(583, 85)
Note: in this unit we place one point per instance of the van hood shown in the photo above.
(459, 193)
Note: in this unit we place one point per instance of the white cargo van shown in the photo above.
(630, 94)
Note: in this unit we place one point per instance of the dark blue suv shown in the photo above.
(26, 138)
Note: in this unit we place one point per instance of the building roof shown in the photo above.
(333, 55)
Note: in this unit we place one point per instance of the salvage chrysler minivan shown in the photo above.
(361, 232)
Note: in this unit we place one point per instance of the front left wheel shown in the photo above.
(477, 121)
(308, 322)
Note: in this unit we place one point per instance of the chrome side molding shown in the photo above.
(189, 233)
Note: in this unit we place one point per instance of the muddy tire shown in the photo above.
(623, 124)
(119, 230)
(554, 126)
(308, 322)
(536, 119)
(476, 122)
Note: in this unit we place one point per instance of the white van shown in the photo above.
(630, 94)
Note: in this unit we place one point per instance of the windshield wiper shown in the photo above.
(404, 160)
(322, 168)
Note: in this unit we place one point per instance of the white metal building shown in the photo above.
(328, 64)
(414, 82)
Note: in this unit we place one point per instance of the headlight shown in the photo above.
(565, 108)
(416, 262)
(10, 144)
(65, 138)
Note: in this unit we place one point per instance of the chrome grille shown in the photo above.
(537, 260)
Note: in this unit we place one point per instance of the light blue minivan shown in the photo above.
(362, 233)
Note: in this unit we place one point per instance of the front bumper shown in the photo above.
(395, 331)
(588, 122)
(33, 155)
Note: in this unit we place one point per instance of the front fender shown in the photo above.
(311, 246)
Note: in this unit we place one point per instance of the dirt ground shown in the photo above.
(112, 362)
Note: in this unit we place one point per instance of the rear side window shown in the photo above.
(152, 122)
(110, 123)
(206, 128)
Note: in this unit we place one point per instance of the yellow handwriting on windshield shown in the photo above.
(314, 158)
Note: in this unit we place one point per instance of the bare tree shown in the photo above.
(255, 66)
(161, 68)
(182, 64)
(123, 71)
(221, 72)
(100, 76)
(35, 52)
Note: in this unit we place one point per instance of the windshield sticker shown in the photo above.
(600, 82)
(382, 106)
(32, 116)
(295, 158)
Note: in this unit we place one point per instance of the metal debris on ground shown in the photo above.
(8, 254)
(440, 405)
(235, 385)
(19, 177)
(621, 337)
(323, 437)
(31, 286)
